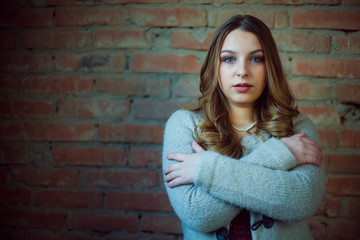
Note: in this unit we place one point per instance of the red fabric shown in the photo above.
(240, 227)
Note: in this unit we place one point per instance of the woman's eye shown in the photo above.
(229, 59)
(256, 59)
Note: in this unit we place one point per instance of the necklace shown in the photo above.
(245, 129)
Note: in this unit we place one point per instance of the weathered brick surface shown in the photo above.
(87, 86)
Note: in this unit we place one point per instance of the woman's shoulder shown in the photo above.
(185, 116)
(302, 119)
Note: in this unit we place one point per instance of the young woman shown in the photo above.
(245, 164)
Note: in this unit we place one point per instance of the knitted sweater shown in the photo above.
(265, 180)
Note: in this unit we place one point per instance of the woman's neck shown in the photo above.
(242, 117)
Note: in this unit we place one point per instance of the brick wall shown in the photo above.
(86, 87)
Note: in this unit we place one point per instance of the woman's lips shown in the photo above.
(242, 87)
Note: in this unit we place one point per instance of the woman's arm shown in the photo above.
(195, 208)
(283, 195)
(228, 186)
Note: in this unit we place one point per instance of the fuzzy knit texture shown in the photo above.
(265, 180)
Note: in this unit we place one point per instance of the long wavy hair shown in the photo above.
(273, 110)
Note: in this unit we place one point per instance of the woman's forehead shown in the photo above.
(239, 40)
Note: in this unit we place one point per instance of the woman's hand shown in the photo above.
(304, 149)
(183, 172)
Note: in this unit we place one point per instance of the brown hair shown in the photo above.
(274, 109)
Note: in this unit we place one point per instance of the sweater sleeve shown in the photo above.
(267, 155)
(284, 195)
(195, 208)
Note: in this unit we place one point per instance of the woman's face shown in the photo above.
(242, 72)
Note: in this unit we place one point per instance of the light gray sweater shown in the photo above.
(265, 180)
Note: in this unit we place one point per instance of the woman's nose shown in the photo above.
(241, 69)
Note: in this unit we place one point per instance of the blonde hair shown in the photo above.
(274, 109)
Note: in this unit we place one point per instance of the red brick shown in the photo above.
(267, 15)
(352, 68)
(202, 1)
(145, 157)
(326, 19)
(102, 222)
(350, 138)
(55, 39)
(322, 115)
(333, 208)
(10, 131)
(93, 156)
(11, 233)
(342, 43)
(348, 93)
(343, 229)
(58, 132)
(166, 63)
(9, 83)
(97, 62)
(89, 16)
(138, 201)
(187, 87)
(347, 44)
(173, 17)
(318, 67)
(281, 19)
(56, 85)
(155, 110)
(343, 186)
(134, 86)
(186, 40)
(328, 138)
(25, 62)
(122, 132)
(350, 2)
(163, 238)
(302, 2)
(50, 3)
(26, 17)
(122, 238)
(112, 178)
(8, 40)
(69, 199)
(33, 219)
(322, 208)
(15, 154)
(354, 47)
(311, 90)
(161, 223)
(26, 109)
(46, 177)
(92, 109)
(121, 39)
(3, 175)
(52, 236)
(15, 197)
(309, 43)
(139, 1)
(352, 209)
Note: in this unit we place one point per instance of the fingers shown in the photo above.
(301, 135)
(197, 147)
(177, 156)
(170, 174)
(175, 182)
(312, 152)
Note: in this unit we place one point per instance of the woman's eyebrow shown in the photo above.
(232, 52)
(227, 51)
(256, 50)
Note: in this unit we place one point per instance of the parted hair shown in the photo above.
(273, 110)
